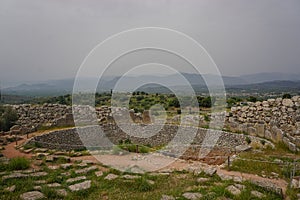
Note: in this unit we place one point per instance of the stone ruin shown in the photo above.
(275, 119)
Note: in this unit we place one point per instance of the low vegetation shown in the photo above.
(8, 117)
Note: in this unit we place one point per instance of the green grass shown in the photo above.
(18, 163)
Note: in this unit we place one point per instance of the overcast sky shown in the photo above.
(48, 39)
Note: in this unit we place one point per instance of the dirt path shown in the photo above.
(10, 150)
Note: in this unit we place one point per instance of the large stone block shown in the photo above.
(277, 134)
(260, 129)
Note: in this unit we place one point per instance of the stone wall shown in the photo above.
(274, 119)
(32, 117)
(69, 139)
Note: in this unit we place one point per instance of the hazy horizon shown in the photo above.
(47, 40)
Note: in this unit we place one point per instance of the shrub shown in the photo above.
(248, 140)
(8, 117)
(19, 163)
(286, 96)
(206, 117)
(143, 185)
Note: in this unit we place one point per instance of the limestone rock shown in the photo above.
(210, 171)
(167, 197)
(233, 190)
(257, 194)
(192, 195)
(80, 186)
(79, 178)
(86, 170)
(242, 148)
(111, 177)
(34, 195)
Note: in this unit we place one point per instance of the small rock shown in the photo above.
(242, 148)
(49, 158)
(40, 182)
(43, 150)
(66, 165)
(238, 179)
(62, 192)
(54, 185)
(79, 178)
(34, 195)
(151, 182)
(202, 180)
(233, 190)
(111, 177)
(98, 173)
(80, 186)
(27, 150)
(257, 194)
(210, 171)
(39, 174)
(86, 170)
(10, 189)
(167, 197)
(239, 186)
(192, 195)
(53, 167)
(39, 188)
(82, 164)
(130, 177)
(295, 183)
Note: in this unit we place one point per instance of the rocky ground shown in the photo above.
(76, 175)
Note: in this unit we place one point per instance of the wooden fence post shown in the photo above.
(228, 162)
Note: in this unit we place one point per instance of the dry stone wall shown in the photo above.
(70, 139)
(275, 119)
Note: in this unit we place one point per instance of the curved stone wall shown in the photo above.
(69, 138)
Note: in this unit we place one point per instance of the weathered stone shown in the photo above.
(202, 180)
(62, 192)
(111, 177)
(99, 173)
(233, 190)
(192, 195)
(34, 195)
(53, 185)
(79, 178)
(210, 171)
(287, 102)
(268, 186)
(53, 167)
(80, 186)
(86, 170)
(167, 197)
(38, 188)
(257, 194)
(130, 176)
(242, 148)
(66, 165)
(10, 189)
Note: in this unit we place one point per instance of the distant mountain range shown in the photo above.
(253, 82)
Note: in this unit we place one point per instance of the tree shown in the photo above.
(8, 117)
(286, 96)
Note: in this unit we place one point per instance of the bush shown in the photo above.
(8, 117)
(286, 96)
(19, 163)
(248, 140)
(143, 185)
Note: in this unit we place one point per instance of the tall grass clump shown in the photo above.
(18, 163)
